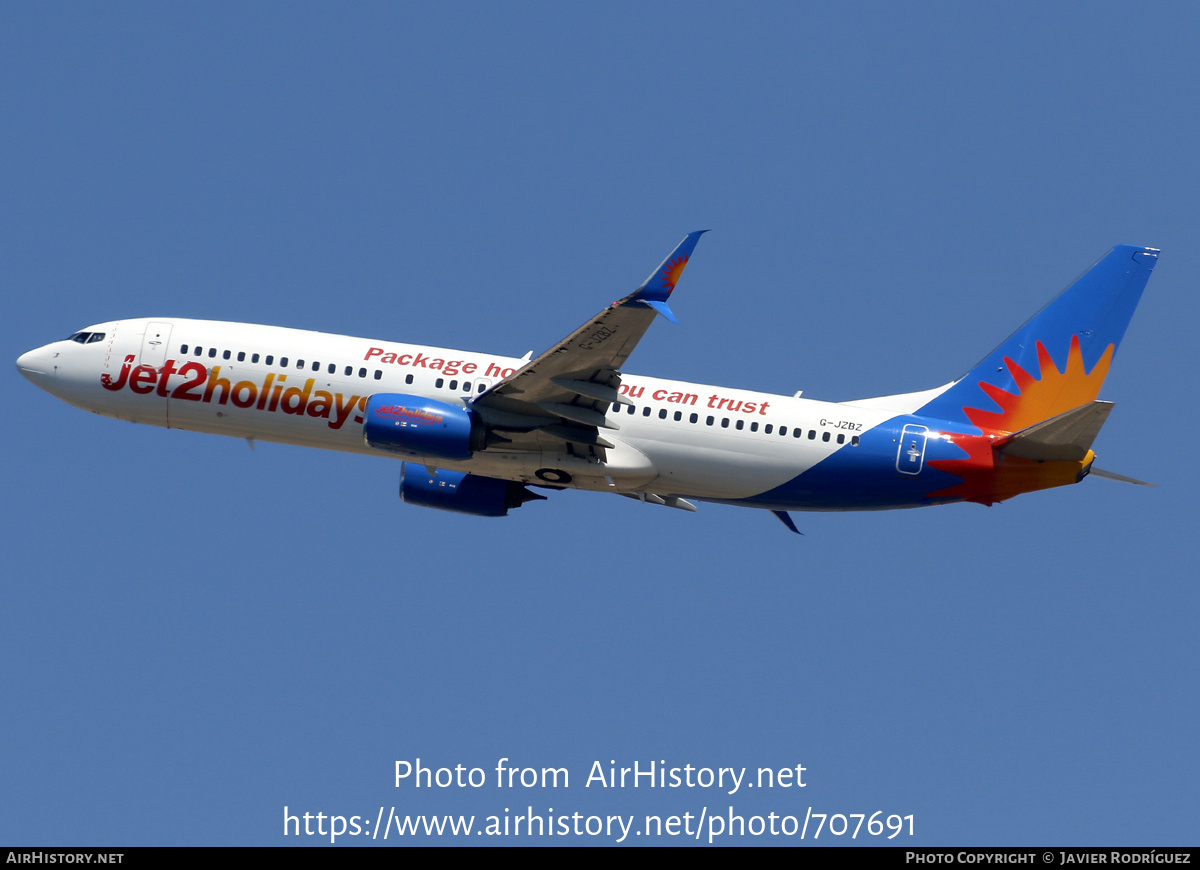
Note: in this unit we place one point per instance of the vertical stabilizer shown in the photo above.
(1058, 359)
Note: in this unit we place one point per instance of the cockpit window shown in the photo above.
(87, 337)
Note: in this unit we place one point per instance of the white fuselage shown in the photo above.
(310, 388)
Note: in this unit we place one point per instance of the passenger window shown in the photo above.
(662, 414)
(646, 411)
(316, 367)
(724, 422)
(299, 363)
(812, 434)
(853, 440)
(797, 432)
(227, 354)
(708, 421)
(753, 427)
(212, 353)
(693, 418)
(378, 374)
(782, 431)
(332, 369)
(362, 373)
(408, 379)
(678, 416)
(270, 359)
(199, 351)
(741, 423)
(183, 348)
(481, 387)
(824, 436)
(241, 356)
(841, 438)
(254, 358)
(349, 371)
(283, 362)
(466, 386)
(768, 428)
(438, 383)
(454, 384)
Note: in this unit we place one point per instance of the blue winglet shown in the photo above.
(654, 290)
(787, 521)
(662, 308)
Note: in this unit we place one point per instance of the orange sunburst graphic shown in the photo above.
(1040, 398)
(989, 476)
(672, 271)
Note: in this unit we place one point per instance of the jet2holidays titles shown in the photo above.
(652, 774)
(273, 393)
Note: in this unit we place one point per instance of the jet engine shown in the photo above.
(412, 424)
(460, 492)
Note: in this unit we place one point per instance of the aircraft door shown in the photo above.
(155, 343)
(910, 457)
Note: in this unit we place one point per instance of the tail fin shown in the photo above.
(1058, 359)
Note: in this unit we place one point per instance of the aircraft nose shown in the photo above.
(36, 365)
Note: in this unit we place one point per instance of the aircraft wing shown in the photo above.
(565, 392)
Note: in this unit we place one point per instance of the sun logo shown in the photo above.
(990, 476)
(672, 271)
(1043, 397)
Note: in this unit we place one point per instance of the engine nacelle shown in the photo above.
(460, 492)
(413, 424)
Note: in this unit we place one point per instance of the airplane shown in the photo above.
(475, 430)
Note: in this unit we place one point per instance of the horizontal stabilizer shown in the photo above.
(1066, 437)
(1108, 475)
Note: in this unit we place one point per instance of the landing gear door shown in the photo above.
(154, 344)
(910, 458)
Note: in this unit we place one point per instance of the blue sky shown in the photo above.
(195, 634)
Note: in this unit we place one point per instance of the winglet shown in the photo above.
(663, 309)
(655, 289)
